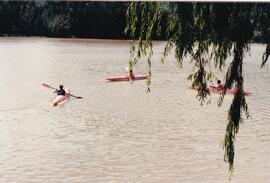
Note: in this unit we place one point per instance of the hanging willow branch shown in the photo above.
(204, 33)
(142, 19)
(262, 17)
(265, 55)
(235, 75)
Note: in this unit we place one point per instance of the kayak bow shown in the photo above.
(60, 98)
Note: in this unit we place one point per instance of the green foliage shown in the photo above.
(142, 19)
(63, 18)
(266, 55)
(234, 75)
(204, 33)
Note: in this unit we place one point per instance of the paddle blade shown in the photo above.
(46, 85)
(79, 97)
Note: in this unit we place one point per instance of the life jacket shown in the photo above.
(61, 92)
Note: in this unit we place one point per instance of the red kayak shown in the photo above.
(213, 89)
(126, 78)
(60, 98)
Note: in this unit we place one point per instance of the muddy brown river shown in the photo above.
(118, 133)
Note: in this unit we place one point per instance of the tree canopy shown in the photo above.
(203, 32)
(63, 18)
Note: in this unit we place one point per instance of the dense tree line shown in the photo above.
(72, 19)
(63, 19)
(204, 33)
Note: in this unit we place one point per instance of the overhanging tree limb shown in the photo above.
(205, 33)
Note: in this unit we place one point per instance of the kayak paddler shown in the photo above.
(60, 91)
(220, 86)
(130, 75)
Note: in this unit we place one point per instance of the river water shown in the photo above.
(118, 132)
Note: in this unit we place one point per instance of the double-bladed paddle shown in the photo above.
(48, 86)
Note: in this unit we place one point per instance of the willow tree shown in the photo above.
(205, 33)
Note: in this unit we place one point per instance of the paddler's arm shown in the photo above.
(213, 87)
